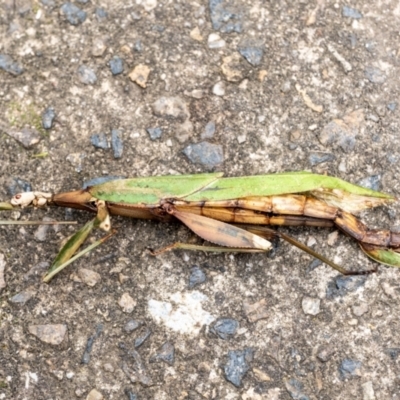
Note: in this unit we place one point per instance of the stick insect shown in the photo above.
(230, 213)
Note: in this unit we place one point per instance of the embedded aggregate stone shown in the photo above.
(166, 354)
(375, 75)
(116, 143)
(351, 12)
(100, 141)
(154, 133)
(349, 368)
(87, 75)
(319, 158)
(296, 389)
(371, 182)
(90, 342)
(197, 277)
(48, 118)
(225, 16)
(116, 65)
(9, 65)
(252, 53)
(208, 154)
(73, 14)
(51, 334)
(225, 328)
(132, 325)
(342, 285)
(237, 366)
(209, 130)
(27, 137)
(18, 185)
(142, 338)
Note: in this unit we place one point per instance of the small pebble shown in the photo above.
(70, 375)
(2, 267)
(253, 53)
(197, 277)
(131, 395)
(127, 303)
(316, 158)
(392, 106)
(393, 352)
(225, 328)
(215, 41)
(18, 185)
(207, 154)
(89, 277)
(256, 311)
(311, 305)
(98, 47)
(116, 65)
(238, 365)
(350, 368)
(166, 354)
(140, 74)
(351, 12)
(154, 133)
(195, 34)
(101, 13)
(142, 338)
(225, 17)
(94, 395)
(132, 325)
(138, 46)
(28, 137)
(41, 232)
(341, 285)
(20, 298)
(209, 130)
(286, 86)
(295, 389)
(374, 75)
(89, 344)
(219, 89)
(73, 14)
(51, 334)
(359, 310)
(368, 391)
(100, 141)
(48, 118)
(371, 182)
(86, 75)
(9, 65)
(116, 143)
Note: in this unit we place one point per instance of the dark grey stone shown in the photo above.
(238, 365)
(117, 143)
(351, 12)
(9, 65)
(208, 154)
(116, 65)
(48, 118)
(73, 14)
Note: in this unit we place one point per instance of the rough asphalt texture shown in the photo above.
(152, 87)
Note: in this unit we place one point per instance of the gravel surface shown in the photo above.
(150, 87)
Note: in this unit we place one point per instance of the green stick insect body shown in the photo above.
(231, 213)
